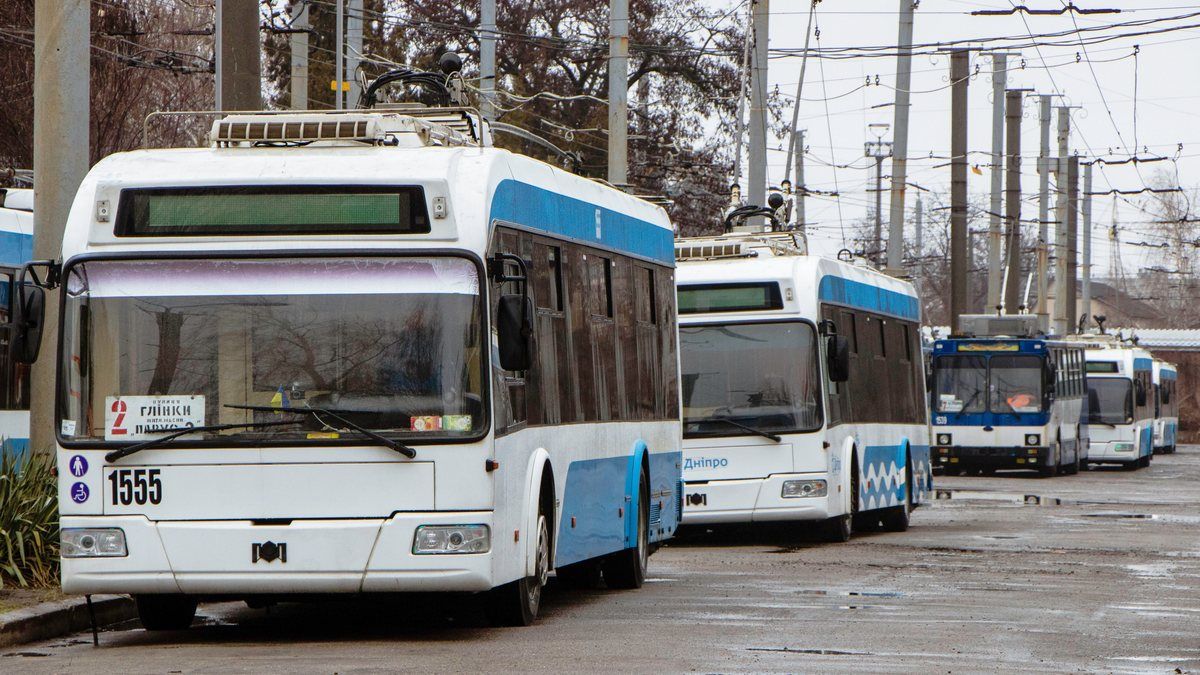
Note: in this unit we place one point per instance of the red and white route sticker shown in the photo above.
(140, 418)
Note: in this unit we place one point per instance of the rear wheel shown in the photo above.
(627, 569)
(166, 612)
(517, 603)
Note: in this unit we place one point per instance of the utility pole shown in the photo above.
(1043, 253)
(918, 218)
(237, 71)
(1072, 241)
(960, 71)
(800, 189)
(354, 47)
(999, 83)
(618, 92)
(880, 150)
(756, 190)
(1060, 218)
(487, 58)
(299, 48)
(895, 248)
(339, 58)
(1012, 206)
(61, 53)
(1087, 239)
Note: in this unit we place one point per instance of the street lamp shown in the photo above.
(880, 150)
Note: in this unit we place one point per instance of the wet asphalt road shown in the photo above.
(1096, 572)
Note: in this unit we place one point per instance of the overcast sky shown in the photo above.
(1168, 85)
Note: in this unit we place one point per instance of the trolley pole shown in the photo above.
(61, 52)
(1087, 240)
(756, 189)
(1043, 252)
(960, 71)
(298, 42)
(237, 72)
(618, 93)
(999, 82)
(487, 58)
(895, 245)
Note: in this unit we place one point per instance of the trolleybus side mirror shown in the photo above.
(514, 328)
(29, 315)
(837, 355)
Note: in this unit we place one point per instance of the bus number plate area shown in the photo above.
(252, 491)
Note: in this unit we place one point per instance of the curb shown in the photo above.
(56, 619)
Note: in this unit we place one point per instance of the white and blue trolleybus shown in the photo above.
(1166, 406)
(360, 352)
(803, 390)
(16, 249)
(1008, 403)
(1120, 403)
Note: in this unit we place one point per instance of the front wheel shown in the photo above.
(1052, 459)
(837, 530)
(517, 603)
(166, 612)
(627, 569)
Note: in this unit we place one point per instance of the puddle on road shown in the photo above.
(850, 594)
(26, 654)
(998, 497)
(815, 652)
(1164, 518)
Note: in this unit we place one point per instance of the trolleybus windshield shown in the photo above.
(393, 345)
(761, 375)
(1110, 400)
(1001, 383)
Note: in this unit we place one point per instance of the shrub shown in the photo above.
(28, 520)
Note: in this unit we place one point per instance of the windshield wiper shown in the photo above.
(172, 434)
(765, 434)
(316, 412)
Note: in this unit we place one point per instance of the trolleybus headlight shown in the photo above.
(1033, 439)
(944, 439)
(452, 539)
(803, 488)
(93, 543)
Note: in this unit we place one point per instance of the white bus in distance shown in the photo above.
(388, 358)
(1166, 406)
(16, 249)
(1120, 404)
(803, 388)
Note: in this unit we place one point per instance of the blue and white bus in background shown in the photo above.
(1166, 406)
(1007, 401)
(16, 249)
(803, 388)
(361, 352)
(1120, 403)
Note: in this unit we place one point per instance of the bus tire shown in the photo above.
(626, 569)
(165, 612)
(1052, 460)
(517, 603)
(896, 518)
(951, 471)
(837, 530)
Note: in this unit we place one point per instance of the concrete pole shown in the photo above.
(1060, 218)
(918, 222)
(877, 248)
(1072, 242)
(895, 248)
(238, 72)
(618, 92)
(354, 47)
(299, 48)
(959, 74)
(1087, 240)
(487, 58)
(999, 82)
(756, 188)
(339, 58)
(800, 188)
(1043, 252)
(1012, 206)
(61, 46)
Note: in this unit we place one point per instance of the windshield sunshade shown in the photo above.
(390, 345)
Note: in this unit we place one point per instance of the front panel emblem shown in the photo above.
(268, 552)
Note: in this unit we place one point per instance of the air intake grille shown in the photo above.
(710, 251)
(294, 131)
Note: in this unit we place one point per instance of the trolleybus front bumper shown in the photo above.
(240, 557)
(755, 500)
(1020, 457)
(1113, 452)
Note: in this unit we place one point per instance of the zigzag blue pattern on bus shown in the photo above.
(1146, 442)
(553, 213)
(922, 473)
(882, 481)
(858, 295)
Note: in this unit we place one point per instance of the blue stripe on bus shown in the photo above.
(993, 419)
(554, 213)
(1142, 364)
(1146, 442)
(859, 295)
(15, 248)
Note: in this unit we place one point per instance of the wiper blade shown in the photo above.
(315, 412)
(765, 434)
(172, 434)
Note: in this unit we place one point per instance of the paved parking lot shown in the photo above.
(1098, 572)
